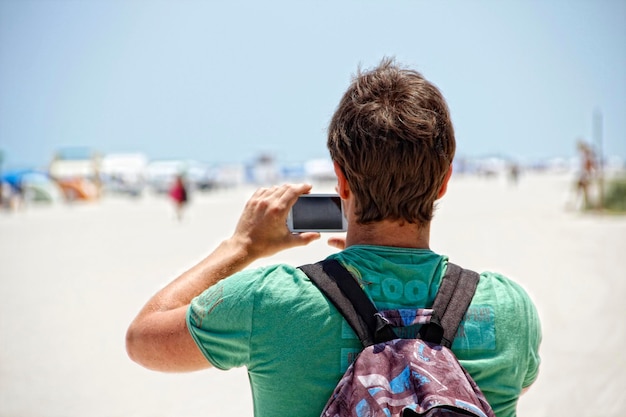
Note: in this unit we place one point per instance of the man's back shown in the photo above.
(297, 346)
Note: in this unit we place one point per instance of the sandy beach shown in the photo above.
(72, 277)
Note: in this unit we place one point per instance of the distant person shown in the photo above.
(514, 172)
(392, 144)
(179, 195)
(5, 195)
(586, 173)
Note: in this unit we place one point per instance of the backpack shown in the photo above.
(402, 377)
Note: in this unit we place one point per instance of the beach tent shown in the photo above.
(33, 186)
(39, 187)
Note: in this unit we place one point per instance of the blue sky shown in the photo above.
(223, 81)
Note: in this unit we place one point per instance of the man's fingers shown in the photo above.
(305, 238)
(286, 194)
(337, 242)
(291, 192)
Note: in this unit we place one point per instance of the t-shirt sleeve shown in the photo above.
(534, 340)
(220, 321)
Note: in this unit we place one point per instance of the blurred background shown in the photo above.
(235, 92)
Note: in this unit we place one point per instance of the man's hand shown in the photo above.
(262, 228)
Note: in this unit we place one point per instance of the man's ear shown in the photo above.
(343, 189)
(444, 186)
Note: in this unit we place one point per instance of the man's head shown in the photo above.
(393, 139)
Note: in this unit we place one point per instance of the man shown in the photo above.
(392, 143)
(586, 173)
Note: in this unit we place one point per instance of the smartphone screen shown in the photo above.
(317, 213)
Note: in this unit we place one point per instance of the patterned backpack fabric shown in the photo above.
(402, 377)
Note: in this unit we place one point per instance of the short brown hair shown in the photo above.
(393, 139)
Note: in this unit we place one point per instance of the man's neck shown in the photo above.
(389, 233)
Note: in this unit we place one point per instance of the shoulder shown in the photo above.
(514, 311)
(255, 284)
(502, 290)
(254, 276)
(241, 294)
(265, 277)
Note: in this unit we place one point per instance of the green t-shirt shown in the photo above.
(296, 346)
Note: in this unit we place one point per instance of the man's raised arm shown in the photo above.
(158, 337)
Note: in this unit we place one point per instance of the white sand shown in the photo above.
(72, 278)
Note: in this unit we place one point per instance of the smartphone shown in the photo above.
(317, 213)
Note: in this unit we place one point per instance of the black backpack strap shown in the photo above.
(343, 290)
(451, 302)
(455, 294)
